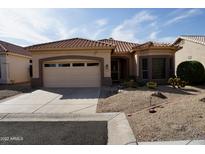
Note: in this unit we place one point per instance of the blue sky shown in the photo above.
(31, 26)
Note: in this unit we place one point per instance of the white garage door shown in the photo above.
(71, 74)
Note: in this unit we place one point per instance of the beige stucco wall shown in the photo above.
(105, 54)
(190, 51)
(151, 53)
(17, 68)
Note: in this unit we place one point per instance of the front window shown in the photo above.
(78, 64)
(64, 65)
(158, 68)
(50, 65)
(92, 64)
(145, 68)
(171, 65)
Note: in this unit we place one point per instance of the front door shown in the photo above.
(115, 70)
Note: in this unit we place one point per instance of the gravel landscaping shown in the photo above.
(180, 116)
(12, 90)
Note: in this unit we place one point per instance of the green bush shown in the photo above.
(151, 85)
(191, 71)
(128, 79)
(130, 84)
(141, 83)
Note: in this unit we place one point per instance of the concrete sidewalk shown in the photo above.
(70, 128)
(182, 142)
(58, 100)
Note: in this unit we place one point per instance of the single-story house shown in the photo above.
(14, 64)
(81, 62)
(193, 49)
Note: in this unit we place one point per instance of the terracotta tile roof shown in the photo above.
(71, 43)
(194, 38)
(121, 46)
(8, 47)
(153, 44)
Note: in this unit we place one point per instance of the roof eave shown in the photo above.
(121, 52)
(177, 40)
(15, 53)
(69, 49)
(173, 48)
(4, 48)
(184, 38)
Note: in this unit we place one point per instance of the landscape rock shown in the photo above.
(159, 94)
(202, 99)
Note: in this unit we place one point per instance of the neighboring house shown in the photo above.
(81, 62)
(14, 64)
(193, 48)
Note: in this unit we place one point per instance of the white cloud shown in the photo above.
(153, 35)
(31, 26)
(153, 24)
(145, 26)
(179, 15)
(64, 33)
(130, 28)
(23, 25)
(101, 22)
(83, 31)
(97, 33)
(183, 15)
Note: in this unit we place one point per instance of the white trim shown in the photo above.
(19, 55)
(15, 54)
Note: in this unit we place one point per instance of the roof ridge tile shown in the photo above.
(194, 38)
(71, 43)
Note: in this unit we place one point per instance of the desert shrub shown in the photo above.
(141, 83)
(151, 85)
(130, 84)
(177, 82)
(128, 79)
(131, 78)
(191, 71)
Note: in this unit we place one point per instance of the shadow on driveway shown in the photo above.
(75, 93)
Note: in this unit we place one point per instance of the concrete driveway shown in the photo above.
(55, 100)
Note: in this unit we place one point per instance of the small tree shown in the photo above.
(191, 71)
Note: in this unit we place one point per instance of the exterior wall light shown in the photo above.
(189, 57)
(106, 66)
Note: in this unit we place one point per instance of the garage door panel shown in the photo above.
(72, 76)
